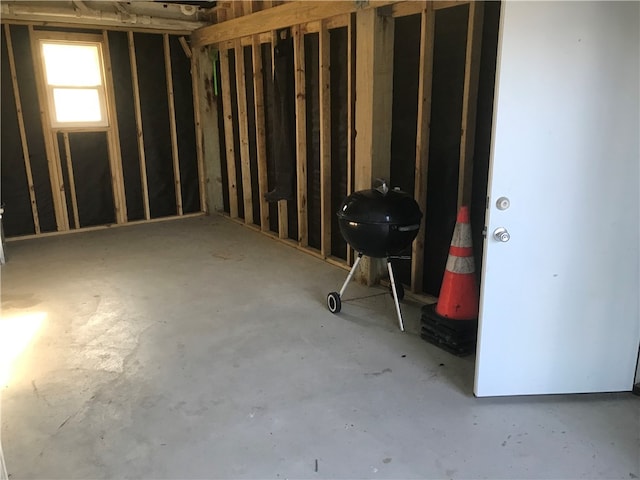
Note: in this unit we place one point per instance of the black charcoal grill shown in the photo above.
(378, 223)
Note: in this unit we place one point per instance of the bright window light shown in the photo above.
(75, 83)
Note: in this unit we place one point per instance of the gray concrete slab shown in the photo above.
(201, 349)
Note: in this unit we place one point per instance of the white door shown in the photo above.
(559, 308)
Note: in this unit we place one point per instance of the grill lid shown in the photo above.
(380, 206)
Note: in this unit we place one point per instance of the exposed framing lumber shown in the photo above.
(427, 36)
(470, 101)
(117, 28)
(72, 182)
(411, 7)
(172, 122)
(195, 88)
(261, 136)
(140, 135)
(301, 134)
(23, 133)
(228, 132)
(325, 141)
(55, 169)
(351, 113)
(113, 137)
(243, 131)
(283, 207)
(287, 15)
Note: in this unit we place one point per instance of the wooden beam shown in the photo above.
(261, 136)
(374, 93)
(301, 134)
(139, 132)
(351, 113)
(195, 91)
(23, 133)
(113, 138)
(325, 142)
(470, 101)
(287, 15)
(53, 161)
(427, 36)
(243, 130)
(225, 86)
(185, 47)
(72, 182)
(172, 123)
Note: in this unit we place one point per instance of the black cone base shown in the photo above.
(454, 336)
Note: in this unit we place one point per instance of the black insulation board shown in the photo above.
(33, 128)
(185, 126)
(339, 135)
(155, 124)
(236, 133)
(406, 73)
(444, 144)
(92, 175)
(251, 123)
(18, 218)
(267, 79)
(483, 127)
(214, 97)
(123, 87)
(312, 96)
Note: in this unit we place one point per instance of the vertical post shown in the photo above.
(301, 134)
(225, 81)
(325, 141)
(23, 134)
(172, 123)
(113, 138)
(261, 140)
(374, 92)
(351, 70)
(138, 114)
(72, 182)
(427, 31)
(470, 101)
(195, 92)
(243, 130)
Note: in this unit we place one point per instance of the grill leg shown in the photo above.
(350, 276)
(395, 295)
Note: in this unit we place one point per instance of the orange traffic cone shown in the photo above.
(459, 292)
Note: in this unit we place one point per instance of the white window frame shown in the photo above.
(75, 39)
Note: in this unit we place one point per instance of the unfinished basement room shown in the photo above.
(347, 239)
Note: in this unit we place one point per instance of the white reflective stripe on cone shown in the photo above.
(460, 264)
(461, 235)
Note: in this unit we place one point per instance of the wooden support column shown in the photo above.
(325, 141)
(427, 35)
(470, 102)
(172, 123)
(113, 138)
(195, 91)
(138, 113)
(53, 160)
(261, 135)
(301, 135)
(23, 134)
(243, 129)
(72, 182)
(225, 81)
(374, 92)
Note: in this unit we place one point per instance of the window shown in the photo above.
(74, 80)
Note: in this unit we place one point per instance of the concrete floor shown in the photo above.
(201, 349)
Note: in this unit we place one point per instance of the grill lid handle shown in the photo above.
(383, 187)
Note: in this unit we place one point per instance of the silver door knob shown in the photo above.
(501, 234)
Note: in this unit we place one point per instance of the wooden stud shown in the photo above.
(72, 182)
(185, 47)
(261, 136)
(53, 161)
(140, 136)
(225, 86)
(287, 15)
(243, 130)
(23, 134)
(172, 123)
(113, 137)
(195, 88)
(427, 31)
(351, 71)
(325, 142)
(301, 134)
(470, 101)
